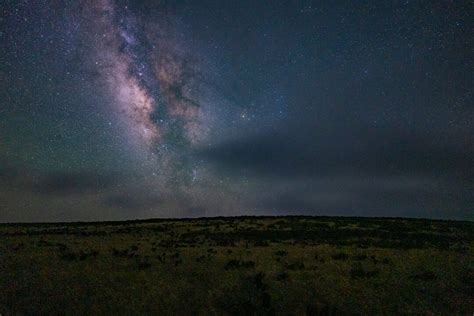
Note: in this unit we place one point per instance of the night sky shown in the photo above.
(114, 110)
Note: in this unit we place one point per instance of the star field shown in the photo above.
(115, 109)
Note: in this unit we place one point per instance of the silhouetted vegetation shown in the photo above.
(424, 276)
(359, 272)
(238, 264)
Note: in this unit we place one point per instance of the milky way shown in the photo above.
(152, 81)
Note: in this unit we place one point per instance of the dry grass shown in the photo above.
(239, 266)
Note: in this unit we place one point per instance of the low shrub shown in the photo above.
(238, 264)
(358, 273)
(340, 256)
(281, 253)
(282, 276)
(360, 257)
(296, 266)
(424, 276)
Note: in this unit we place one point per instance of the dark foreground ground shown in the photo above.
(239, 266)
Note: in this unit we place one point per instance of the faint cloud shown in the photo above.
(65, 183)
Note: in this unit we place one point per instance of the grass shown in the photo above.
(239, 266)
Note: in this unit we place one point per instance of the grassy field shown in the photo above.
(239, 266)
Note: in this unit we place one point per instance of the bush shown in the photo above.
(261, 243)
(200, 258)
(360, 257)
(68, 256)
(81, 255)
(237, 264)
(143, 264)
(320, 310)
(374, 259)
(17, 246)
(282, 276)
(340, 256)
(358, 272)
(281, 253)
(247, 264)
(232, 264)
(249, 297)
(120, 253)
(296, 266)
(424, 276)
